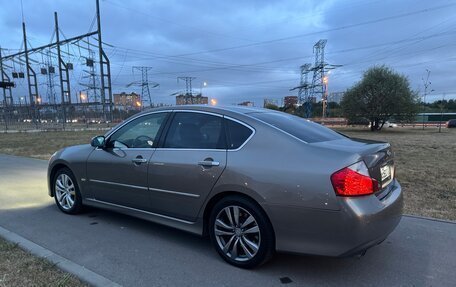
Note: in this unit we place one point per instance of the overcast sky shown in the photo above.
(246, 50)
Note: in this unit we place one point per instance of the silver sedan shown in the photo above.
(256, 181)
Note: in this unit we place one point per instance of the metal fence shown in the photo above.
(46, 117)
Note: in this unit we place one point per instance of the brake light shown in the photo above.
(354, 180)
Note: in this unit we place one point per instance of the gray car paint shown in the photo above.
(288, 178)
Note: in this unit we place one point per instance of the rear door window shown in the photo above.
(196, 131)
(237, 134)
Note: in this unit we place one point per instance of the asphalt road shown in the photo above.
(134, 252)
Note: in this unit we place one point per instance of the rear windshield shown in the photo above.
(301, 128)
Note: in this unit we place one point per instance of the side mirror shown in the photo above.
(98, 141)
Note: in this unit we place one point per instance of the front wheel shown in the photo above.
(66, 192)
(241, 233)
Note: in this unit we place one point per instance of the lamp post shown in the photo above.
(426, 86)
(203, 85)
(82, 98)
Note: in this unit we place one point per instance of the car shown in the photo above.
(451, 123)
(391, 125)
(256, 181)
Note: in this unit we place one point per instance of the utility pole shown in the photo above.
(31, 80)
(104, 75)
(62, 69)
(441, 112)
(427, 84)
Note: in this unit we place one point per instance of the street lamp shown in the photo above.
(213, 102)
(203, 85)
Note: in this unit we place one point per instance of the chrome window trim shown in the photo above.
(246, 125)
(141, 211)
(174, 192)
(119, 184)
(199, 112)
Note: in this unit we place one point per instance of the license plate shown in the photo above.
(385, 171)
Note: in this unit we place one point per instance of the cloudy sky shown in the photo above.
(244, 50)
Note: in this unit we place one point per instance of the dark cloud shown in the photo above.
(228, 43)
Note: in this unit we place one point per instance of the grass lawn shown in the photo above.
(42, 144)
(425, 161)
(19, 268)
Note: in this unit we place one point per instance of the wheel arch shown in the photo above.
(217, 197)
(55, 168)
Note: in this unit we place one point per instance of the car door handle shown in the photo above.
(139, 160)
(208, 163)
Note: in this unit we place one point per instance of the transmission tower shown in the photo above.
(318, 86)
(92, 80)
(188, 84)
(144, 84)
(188, 88)
(303, 90)
(50, 71)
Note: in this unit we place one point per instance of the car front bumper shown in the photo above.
(360, 223)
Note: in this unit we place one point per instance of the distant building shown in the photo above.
(186, 99)
(336, 97)
(247, 104)
(289, 101)
(268, 102)
(127, 102)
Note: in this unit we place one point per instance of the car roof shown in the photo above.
(216, 109)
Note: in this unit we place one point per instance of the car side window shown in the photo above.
(139, 133)
(196, 131)
(237, 134)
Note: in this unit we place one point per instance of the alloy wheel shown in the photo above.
(237, 233)
(65, 191)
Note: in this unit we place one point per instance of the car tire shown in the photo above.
(241, 232)
(66, 192)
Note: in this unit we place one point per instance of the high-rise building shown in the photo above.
(186, 99)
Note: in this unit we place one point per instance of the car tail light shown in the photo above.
(354, 180)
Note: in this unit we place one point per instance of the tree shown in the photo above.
(381, 94)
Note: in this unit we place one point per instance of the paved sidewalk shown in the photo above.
(133, 252)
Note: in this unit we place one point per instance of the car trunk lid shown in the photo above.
(377, 156)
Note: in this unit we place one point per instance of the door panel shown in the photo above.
(183, 171)
(118, 173)
(115, 178)
(180, 181)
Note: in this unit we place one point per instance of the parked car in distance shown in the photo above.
(451, 123)
(390, 125)
(255, 180)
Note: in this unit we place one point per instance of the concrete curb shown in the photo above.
(77, 270)
(429, 218)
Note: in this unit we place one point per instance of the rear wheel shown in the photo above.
(66, 192)
(240, 232)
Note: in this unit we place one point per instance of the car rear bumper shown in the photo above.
(360, 223)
